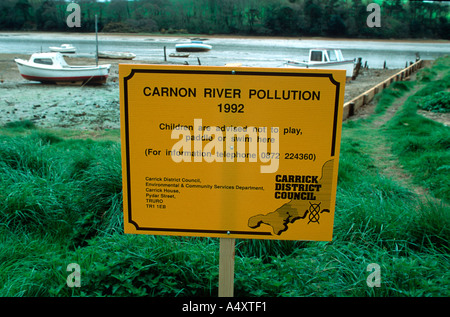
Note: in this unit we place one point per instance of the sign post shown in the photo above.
(226, 267)
(248, 153)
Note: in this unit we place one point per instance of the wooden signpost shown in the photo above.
(230, 152)
(226, 267)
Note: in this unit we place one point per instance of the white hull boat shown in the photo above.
(194, 46)
(179, 55)
(64, 48)
(325, 59)
(116, 55)
(51, 67)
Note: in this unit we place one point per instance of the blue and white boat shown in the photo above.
(193, 46)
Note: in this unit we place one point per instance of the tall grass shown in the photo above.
(57, 187)
(61, 203)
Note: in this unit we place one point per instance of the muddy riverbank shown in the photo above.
(94, 107)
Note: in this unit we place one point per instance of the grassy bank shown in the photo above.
(61, 203)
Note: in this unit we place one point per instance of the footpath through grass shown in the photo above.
(61, 203)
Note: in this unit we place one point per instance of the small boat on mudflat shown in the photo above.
(325, 59)
(193, 46)
(116, 55)
(64, 48)
(179, 55)
(52, 67)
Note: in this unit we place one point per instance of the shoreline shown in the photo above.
(223, 36)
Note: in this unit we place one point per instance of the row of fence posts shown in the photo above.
(351, 106)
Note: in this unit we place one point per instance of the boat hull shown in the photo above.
(192, 47)
(179, 55)
(90, 79)
(92, 74)
(62, 50)
(116, 55)
(348, 66)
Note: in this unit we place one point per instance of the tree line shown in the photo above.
(334, 18)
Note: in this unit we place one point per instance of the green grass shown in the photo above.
(56, 186)
(423, 145)
(391, 94)
(437, 102)
(61, 203)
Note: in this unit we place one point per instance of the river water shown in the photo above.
(255, 52)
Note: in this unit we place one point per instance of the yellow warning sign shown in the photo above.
(231, 152)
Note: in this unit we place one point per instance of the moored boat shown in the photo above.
(325, 59)
(193, 46)
(64, 48)
(51, 67)
(179, 55)
(116, 55)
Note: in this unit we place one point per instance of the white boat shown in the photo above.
(179, 55)
(193, 46)
(116, 55)
(325, 59)
(64, 48)
(51, 67)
